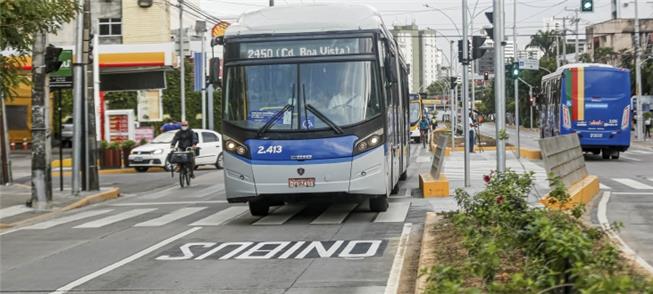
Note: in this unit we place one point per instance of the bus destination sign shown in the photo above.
(305, 48)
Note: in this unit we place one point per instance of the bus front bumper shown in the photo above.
(364, 174)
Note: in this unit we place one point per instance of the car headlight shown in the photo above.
(371, 141)
(236, 147)
(158, 151)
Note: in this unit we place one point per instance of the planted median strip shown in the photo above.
(497, 243)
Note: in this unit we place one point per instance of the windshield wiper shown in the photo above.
(272, 120)
(323, 118)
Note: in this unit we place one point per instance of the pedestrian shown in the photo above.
(169, 125)
(434, 122)
(423, 130)
(648, 123)
(472, 131)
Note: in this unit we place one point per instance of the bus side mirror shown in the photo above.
(390, 69)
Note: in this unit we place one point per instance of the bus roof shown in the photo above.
(307, 18)
(577, 65)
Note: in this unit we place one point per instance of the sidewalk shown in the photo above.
(13, 200)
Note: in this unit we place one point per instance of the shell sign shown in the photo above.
(219, 29)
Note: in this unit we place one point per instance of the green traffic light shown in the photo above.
(587, 5)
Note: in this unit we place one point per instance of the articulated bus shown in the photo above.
(591, 100)
(315, 107)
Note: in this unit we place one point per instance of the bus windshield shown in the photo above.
(414, 112)
(343, 93)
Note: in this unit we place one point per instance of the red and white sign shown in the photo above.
(119, 125)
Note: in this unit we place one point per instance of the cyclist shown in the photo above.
(186, 137)
(423, 130)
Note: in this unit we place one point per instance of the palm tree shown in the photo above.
(544, 40)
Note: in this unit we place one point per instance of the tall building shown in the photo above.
(509, 49)
(421, 52)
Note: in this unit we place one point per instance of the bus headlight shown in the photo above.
(373, 140)
(236, 147)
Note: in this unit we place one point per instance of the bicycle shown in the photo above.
(183, 160)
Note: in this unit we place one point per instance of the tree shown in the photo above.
(544, 40)
(20, 20)
(604, 55)
(438, 88)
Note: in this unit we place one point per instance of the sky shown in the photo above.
(530, 13)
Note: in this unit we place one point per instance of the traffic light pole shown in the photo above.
(638, 77)
(514, 48)
(452, 98)
(499, 83)
(517, 116)
(182, 61)
(78, 100)
(465, 93)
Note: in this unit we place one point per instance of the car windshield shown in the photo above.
(344, 93)
(164, 138)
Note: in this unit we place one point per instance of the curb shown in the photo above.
(580, 193)
(426, 252)
(533, 154)
(116, 171)
(111, 193)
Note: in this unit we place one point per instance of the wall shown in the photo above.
(145, 25)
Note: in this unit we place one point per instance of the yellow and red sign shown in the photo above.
(219, 29)
(575, 88)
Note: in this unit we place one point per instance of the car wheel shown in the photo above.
(219, 163)
(379, 203)
(259, 207)
(141, 169)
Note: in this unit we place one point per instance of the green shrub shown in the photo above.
(126, 145)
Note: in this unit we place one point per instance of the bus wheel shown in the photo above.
(615, 155)
(259, 207)
(605, 153)
(379, 203)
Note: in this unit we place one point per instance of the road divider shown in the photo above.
(427, 251)
(563, 157)
(434, 183)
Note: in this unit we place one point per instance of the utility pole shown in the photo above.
(5, 161)
(638, 77)
(557, 49)
(41, 169)
(452, 97)
(499, 82)
(90, 144)
(577, 54)
(271, 3)
(182, 78)
(516, 88)
(465, 93)
(564, 40)
(78, 71)
(200, 28)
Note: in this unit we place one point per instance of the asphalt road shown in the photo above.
(182, 240)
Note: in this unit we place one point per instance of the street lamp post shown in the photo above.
(638, 77)
(499, 80)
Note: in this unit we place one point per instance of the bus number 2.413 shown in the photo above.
(274, 149)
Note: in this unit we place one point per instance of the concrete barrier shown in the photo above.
(564, 158)
(433, 183)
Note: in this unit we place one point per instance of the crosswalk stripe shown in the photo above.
(396, 213)
(604, 187)
(14, 210)
(280, 215)
(115, 218)
(640, 151)
(67, 219)
(634, 184)
(170, 217)
(335, 214)
(221, 217)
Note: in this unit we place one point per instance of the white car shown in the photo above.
(155, 153)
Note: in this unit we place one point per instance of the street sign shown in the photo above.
(63, 78)
(529, 64)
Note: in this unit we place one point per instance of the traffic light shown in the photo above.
(515, 70)
(477, 51)
(214, 70)
(453, 81)
(490, 30)
(587, 5)
(90, 48)
(486, 76)
(463, 59)
(52, 62)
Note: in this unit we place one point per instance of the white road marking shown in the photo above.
(392, 286)
(170, 217)
(221, 217)
(168, 203)
(14, 210)
(423, 159)
(604, 187)
(602, 216)
(280, 215)
(158, 194)
(632, 193)
(640, 151)
(67, 219)
(115, 218)
(629, 157)
(125, 261)
(396, 213)
(633, 184)
(335, 214)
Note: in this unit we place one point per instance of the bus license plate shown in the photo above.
(301, 182)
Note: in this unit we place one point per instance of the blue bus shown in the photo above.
(591, 100)
(315, 106)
